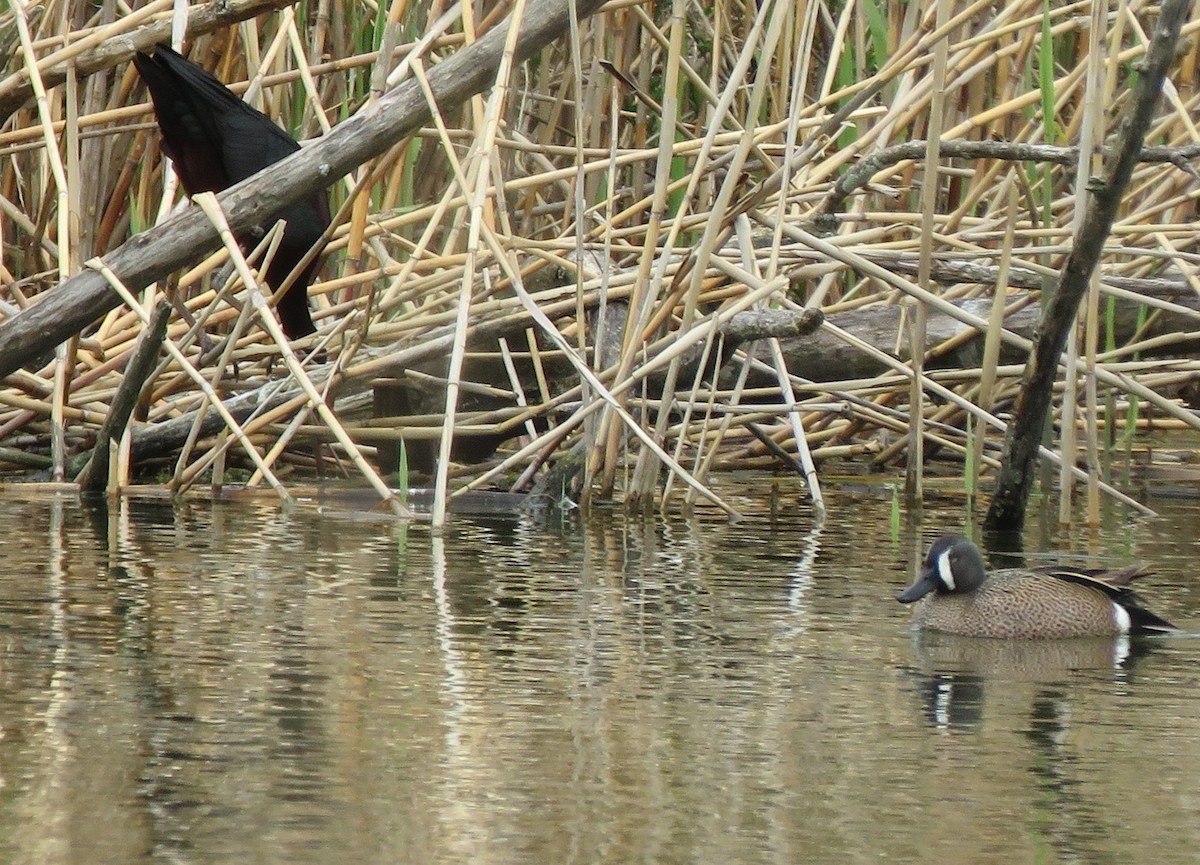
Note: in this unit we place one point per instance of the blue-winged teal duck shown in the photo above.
(1024, 603)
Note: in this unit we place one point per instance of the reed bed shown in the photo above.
(548, 259)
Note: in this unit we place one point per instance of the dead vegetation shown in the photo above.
(558, 257)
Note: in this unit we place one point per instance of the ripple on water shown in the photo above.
(218, 682)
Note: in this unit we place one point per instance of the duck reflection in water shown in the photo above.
(954, 672)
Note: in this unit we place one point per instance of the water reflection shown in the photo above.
(953, 672)
(233, 682)
(803, 573)
(952, 701)
(1027, 660)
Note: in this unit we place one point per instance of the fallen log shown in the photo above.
(817, 355)
(821, 356)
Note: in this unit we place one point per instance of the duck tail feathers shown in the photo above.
(1142, 621)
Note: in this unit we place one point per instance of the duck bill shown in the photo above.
(922, 587)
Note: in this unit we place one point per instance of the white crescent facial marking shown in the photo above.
(1124, 623)
(946, 571)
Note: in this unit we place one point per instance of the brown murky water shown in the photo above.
(225, 683)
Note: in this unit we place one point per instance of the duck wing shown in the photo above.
(1112, 583)
(1115, 586)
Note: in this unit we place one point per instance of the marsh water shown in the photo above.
(230, 682)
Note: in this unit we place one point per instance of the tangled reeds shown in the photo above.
(561, 265)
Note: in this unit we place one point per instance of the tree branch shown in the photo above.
(1006, 513)
(863, 170)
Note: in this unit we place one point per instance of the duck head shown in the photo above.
(954, 564)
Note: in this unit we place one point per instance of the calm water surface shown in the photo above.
(221, 683)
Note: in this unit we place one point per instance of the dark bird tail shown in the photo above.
(216, 140)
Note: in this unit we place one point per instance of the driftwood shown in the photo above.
(153, 254)
(861, 173)
(168, 436)
(946, 269)
(823, 357)
(428, 356)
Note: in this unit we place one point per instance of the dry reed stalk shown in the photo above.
(1091, 137)
(805, 36)
(641, 168)
(773, 27)
(212, 397)
(207, 202)
(602, 460)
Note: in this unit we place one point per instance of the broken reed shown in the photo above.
(763, 109)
